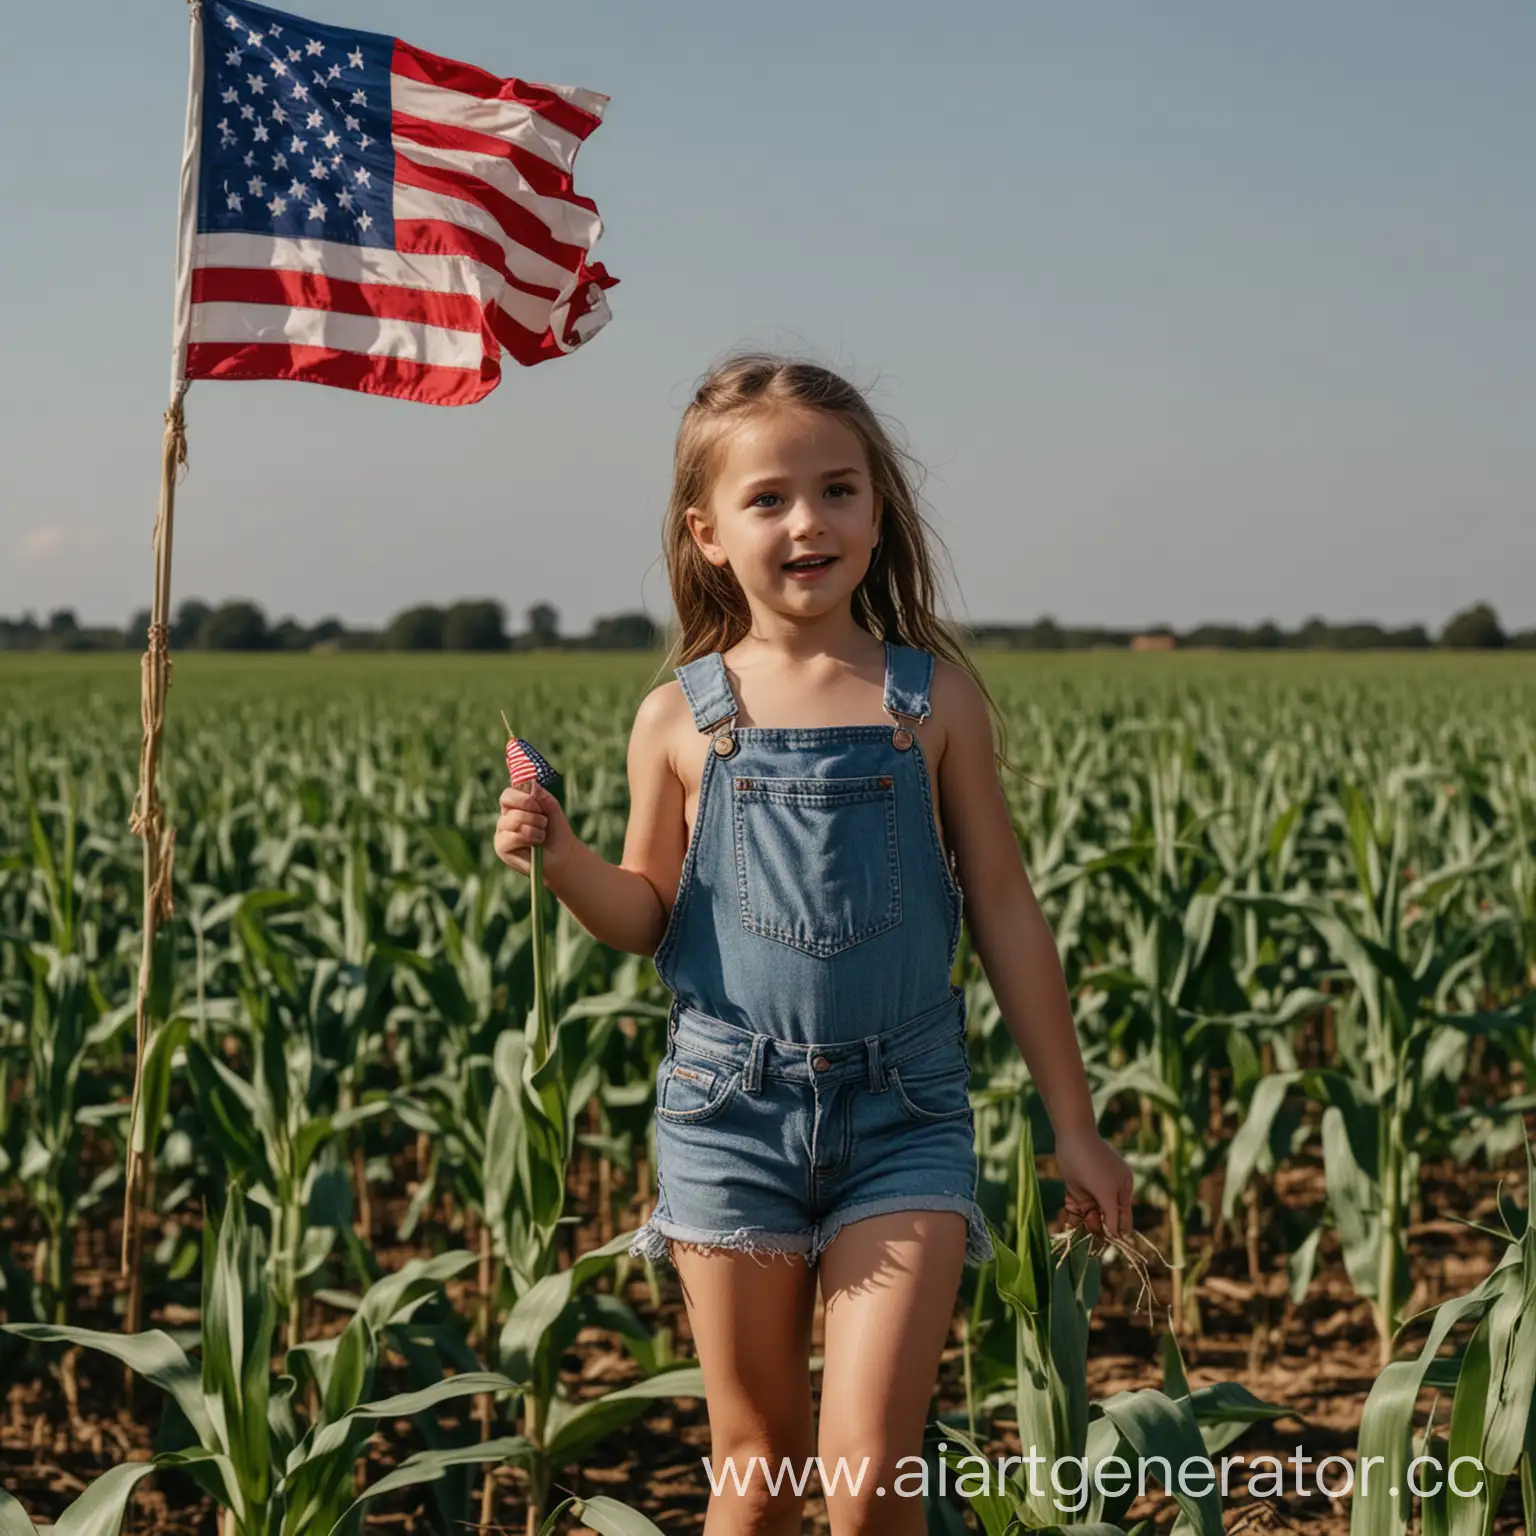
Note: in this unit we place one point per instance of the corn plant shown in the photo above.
(1410, 952)
(235, 1429)
(1491, 1379)
(1050, 1292)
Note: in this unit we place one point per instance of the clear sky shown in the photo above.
(1196, 309)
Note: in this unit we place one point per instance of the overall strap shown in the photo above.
(707, 689)
(908, 679)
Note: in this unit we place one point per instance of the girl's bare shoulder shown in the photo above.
(663, 727)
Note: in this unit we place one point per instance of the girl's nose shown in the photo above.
(805, 516)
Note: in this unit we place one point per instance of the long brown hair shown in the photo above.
(899, 596)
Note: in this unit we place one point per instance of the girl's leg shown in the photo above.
(751, 1319)
(890, 1284)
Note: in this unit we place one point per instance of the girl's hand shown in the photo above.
(1099, 1184)
(529, 815)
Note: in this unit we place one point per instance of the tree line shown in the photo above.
(481, 625)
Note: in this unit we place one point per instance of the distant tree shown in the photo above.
(236, 626)
(1524, 640)
(623, 632)
(326, 631)
(1268, 637)
(188, 623)
(1474, 629)
(543, 621)
(416, 629)
(62, 621)
(1414, 638)
(1045, 635)
(476, 626)
(136, 636)
(290, 635)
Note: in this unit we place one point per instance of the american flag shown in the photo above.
(377, 218)
(523, 764)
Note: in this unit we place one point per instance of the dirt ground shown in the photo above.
(1318, 1360)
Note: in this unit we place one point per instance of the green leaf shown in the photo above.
(13, 1518)
(153, 1355)
(1156, 1426)
(610, 1518)
(539, 1307)
(428, 1466)
(571, 1428)
(99, 1510)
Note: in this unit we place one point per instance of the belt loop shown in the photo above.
(876, 1066)
(752, 1073)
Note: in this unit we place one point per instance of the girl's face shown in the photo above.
(792, 511)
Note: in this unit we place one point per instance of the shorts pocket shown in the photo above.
(935, 1086)
(689, 1091)
(816, 860)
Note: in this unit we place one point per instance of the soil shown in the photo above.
(1319, 1360)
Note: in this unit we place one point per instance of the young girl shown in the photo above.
(791, 878)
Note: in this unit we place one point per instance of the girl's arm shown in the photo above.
(620, 905)
(1018, 952)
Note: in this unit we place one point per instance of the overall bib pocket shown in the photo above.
(816, 860)
(690, 1091)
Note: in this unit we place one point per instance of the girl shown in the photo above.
(791, 878)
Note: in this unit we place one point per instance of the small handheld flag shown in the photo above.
(524, 765)
(377, 218)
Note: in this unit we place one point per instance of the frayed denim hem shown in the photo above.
(654, 1241)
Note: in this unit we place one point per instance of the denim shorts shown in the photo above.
(770, 1147)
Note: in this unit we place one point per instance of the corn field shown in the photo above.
(383, 1281)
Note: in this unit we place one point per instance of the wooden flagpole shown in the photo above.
(148, 821)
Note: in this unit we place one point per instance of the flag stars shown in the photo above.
(278, 206)
(364, 222)
(355, 58)
(255, 39)
(278, 67)
(247, 113)
(278, 115)
(232, 58)
(230, 97)
(297, 190)
(314, 49)
(344, 200)
(316, 120)
(233, 23)
(362, 178)
(298, 145)
(319, 170)
(334, 72)
(259, 133)
(294, 55)
(332, 139)
(353, 125)
(250, 158)
(359, 98)
(300, 92)
(256, 186)
(257, 84)
(235, 201)
(364, 142)
(279, 161)
(317, 211)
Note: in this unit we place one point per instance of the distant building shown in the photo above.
(1152, 642)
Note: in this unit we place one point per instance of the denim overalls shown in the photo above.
(816, 1069)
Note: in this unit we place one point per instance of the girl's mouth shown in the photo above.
(808, 568)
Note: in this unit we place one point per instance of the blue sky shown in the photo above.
(1195, 310)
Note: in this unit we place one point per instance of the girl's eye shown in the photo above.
(768, 498)
(840, 490)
